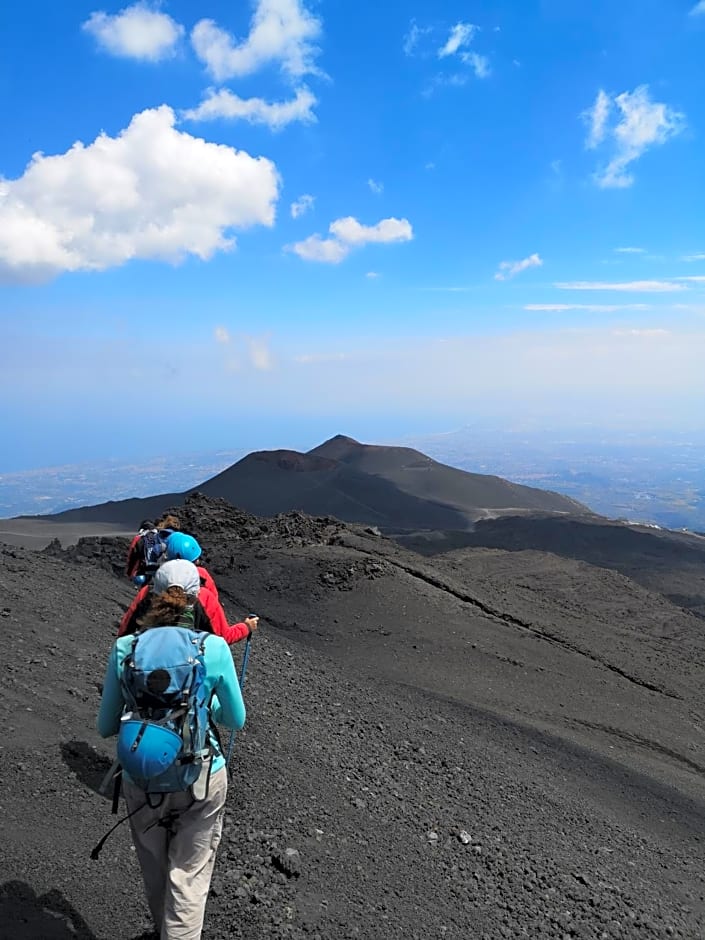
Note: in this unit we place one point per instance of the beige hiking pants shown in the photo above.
(176, 844)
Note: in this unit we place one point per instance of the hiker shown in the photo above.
(209, 615)
(176, 829)
(148, 548)
(182, 545)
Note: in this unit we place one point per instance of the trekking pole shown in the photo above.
(243, 673)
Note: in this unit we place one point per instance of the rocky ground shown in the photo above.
(483, 744)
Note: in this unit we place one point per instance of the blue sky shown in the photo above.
(272, 221)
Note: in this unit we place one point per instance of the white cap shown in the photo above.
(177, 572)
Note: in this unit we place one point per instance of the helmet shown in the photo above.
(181, 545)
(147, 749)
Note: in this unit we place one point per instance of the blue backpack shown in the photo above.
(165, 730)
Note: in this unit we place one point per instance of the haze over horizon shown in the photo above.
(219, 231)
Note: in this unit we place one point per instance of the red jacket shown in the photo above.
(133, 560)
(207, 581)
(210, 616)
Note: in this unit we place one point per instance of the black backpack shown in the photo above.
(153, 547)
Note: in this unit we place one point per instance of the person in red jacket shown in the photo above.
(208, 612)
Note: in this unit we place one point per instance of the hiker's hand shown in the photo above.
(252, 623)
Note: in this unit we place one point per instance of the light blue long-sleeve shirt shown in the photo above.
(227, 706)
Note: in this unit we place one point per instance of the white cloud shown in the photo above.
(372, 275)
(630, 251)
(282, 31)
(696, 257)
(348, 233)
(589, 308)
(152, 192)
(302, 205)
(325, 250)
(654, 331)
(352, 232)
(259, 353)
(245, 350)
(698, 9)
(375, 187)
(509, 269)
(480, 64)
(225, 104)
(646, 287)
(414, 36)
(597, 116)
(317, 358)
(460, 35)
(641, 124)
(136, 32)
(693, 278)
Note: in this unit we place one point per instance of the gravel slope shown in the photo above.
(393, 780)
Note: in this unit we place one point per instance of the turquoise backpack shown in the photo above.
(165, 730)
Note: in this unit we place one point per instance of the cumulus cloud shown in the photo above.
(352, 232)
(137, 32)
(225, 104)
(509, 269)
(460, 35)
(348, 233)
(646, 287)
(638, 124)
(316, 248)
(302, 205)
(281, 31)
(375, 187)
(151, 192)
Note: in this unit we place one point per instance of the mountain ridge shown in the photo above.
(393, 487)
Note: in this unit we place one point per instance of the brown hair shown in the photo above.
(169, 522)
(165, 609)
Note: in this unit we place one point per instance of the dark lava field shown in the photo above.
(467, 743)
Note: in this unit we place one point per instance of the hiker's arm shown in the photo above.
(231, 633)
(228, 707)
(111, 703)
